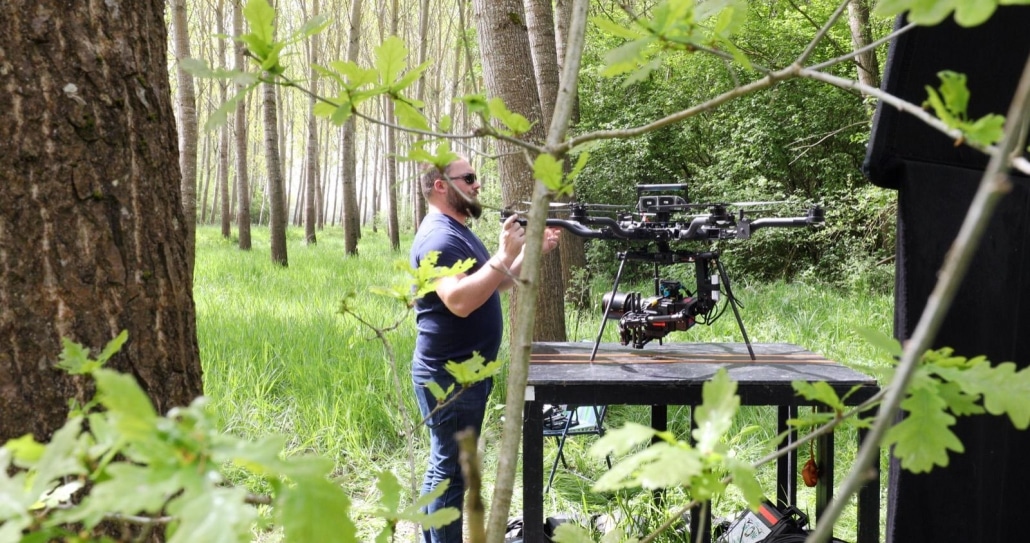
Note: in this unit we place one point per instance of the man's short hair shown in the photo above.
(430, 173)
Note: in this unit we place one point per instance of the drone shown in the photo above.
(664, 216)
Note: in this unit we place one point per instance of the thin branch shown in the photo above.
(849, 56)
(822, 33)
(993, 186)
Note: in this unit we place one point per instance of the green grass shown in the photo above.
(279, 357)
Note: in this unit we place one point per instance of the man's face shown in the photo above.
(462, 196)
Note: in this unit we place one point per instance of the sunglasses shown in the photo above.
(469, 178)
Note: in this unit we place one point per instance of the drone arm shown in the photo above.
(815, 216)
(581, 228)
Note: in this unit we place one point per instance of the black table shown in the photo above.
(673, 374)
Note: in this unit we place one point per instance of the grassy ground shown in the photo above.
(279, 357)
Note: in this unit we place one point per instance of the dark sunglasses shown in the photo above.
(469, 178)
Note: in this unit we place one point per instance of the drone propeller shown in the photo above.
(755, 204)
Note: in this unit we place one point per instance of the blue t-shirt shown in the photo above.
(442, 335)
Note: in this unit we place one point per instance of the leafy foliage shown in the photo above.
(118, 459)
(967, 13)
(951, 103)
(676, 463)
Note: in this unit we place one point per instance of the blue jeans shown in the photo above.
(467, 411)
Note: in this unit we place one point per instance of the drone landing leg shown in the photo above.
(733, 303)
(604, 318)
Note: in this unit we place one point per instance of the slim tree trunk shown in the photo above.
(311, 191)
(351, 214)
(240, 125)
(573, 255)
(858, 21)
(186, 98)
(276, 190)
(92, 230)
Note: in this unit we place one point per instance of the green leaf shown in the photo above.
(714, 416)
(261, 18)
(445, 123)
(123, 397)
(436, 519)
(215, 515)
(621, 440)
(439, 393)
(221, 115)
(923, 438)
(662, 465)
(409, 116)
(581, 163)
(570, 533)
(75, 359)
(128, 490)
(548, 171)
(513, 121)
(626, 57)
(743, 474)
(60, 459)
(354, 75)
(880, 340)
(1004, 390)
(820, 391)
(986, 130)
(473, 370)
(113, 347)
(409, 77)
(390, 59)
(315, 510)
(25, 449)
(611, 27)
(476, 103)
(959, 402)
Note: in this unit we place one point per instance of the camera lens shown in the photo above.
(621, 303)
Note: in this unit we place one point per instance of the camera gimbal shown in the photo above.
(663, 216)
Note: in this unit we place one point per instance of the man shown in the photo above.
(462, 317)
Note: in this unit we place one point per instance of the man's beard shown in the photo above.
(466, 205)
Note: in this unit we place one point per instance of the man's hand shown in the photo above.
(513, 237)
(551, 236)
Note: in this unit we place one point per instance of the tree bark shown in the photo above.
(223, 135)
(858, 21)
(186, 98)
(277, 212)
(550, 322)
(92, 230)
(310, 218)
(240, 125)
(351, 216)
(573, 253)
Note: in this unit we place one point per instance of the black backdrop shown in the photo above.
(983, 493)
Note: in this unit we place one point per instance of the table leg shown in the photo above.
(533, 472)
(869, 502)
(824, 458)
(700, 513)
(787, 466)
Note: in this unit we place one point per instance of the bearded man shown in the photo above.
(462, 317)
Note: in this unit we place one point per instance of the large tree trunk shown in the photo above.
(351, 215)
(277, 212)
(550, 322)
(92, 231)
(240, 125)
(505, 47)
